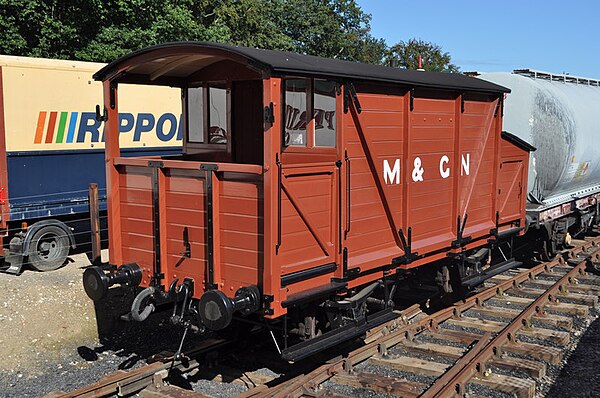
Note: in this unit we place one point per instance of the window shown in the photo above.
(324, 112)
(217, 131)
(195, 111)
(316, 98)
(295, 112)
(207, 114)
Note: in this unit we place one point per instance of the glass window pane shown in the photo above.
(324, 112)
(195, 116)
(217, 96)
(295, 112)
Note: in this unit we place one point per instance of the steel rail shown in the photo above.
(455, 378)
(381, 338)
(296, 386)
(130, 382)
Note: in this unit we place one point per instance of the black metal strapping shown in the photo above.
(210, 276)
(406, 241)
(156, 166)
(113, 94)
(460, 229)
(351, 96)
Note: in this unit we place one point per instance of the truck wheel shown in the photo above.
(49, 248)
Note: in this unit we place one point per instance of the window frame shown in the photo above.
(310, 146)
(221, 151)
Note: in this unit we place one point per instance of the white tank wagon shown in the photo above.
(558, 114)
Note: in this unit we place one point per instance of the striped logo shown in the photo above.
(65, 131)
(79, 127)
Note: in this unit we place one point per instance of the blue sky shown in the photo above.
(554, 36)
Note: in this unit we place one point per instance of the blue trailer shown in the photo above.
(52, 148)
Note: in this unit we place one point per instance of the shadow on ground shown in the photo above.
(131, 340)
(581, 375)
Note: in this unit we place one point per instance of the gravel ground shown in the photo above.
(580, 376)
(51, 339)
(40, 315)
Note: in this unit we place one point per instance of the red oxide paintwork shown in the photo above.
(314, 191)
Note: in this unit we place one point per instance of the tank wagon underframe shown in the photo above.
(273, 213)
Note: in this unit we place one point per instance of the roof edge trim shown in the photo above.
(513, 139)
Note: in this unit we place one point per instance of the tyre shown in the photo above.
(547, 251)
(48, 248)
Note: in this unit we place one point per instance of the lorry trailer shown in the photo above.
(52, 148)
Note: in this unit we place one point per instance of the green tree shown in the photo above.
(406, 55)
(127, 25)
(102, 30)
(329, 28)
(45, 28)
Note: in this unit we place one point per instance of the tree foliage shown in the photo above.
(102, 30)
(406, 55)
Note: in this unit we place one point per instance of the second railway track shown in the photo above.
(501, 340)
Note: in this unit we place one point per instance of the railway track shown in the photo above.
(502, 339)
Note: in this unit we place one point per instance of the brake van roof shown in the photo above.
(174, 61)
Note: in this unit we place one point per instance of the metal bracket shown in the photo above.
(494, 231)
(267, 299)
(353, 273)
(101, 117)
(347, 274)
(156, 163)
(350, 95)
(186, 243)
(209, 167)
(406, 242)
(460, 229)
(269, 114)
(499, 107)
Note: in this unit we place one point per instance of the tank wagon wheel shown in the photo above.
(547, 251)
(49, 248)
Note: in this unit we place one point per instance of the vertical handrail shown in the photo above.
(347, 159)
(338, 164)
(279, 175)
(94, 223)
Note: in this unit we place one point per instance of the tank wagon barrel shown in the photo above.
(306, 190)
(558, 114)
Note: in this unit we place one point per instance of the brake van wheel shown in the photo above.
(48, 248)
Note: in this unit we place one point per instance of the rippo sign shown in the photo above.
(49, 106)
(82, 127)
